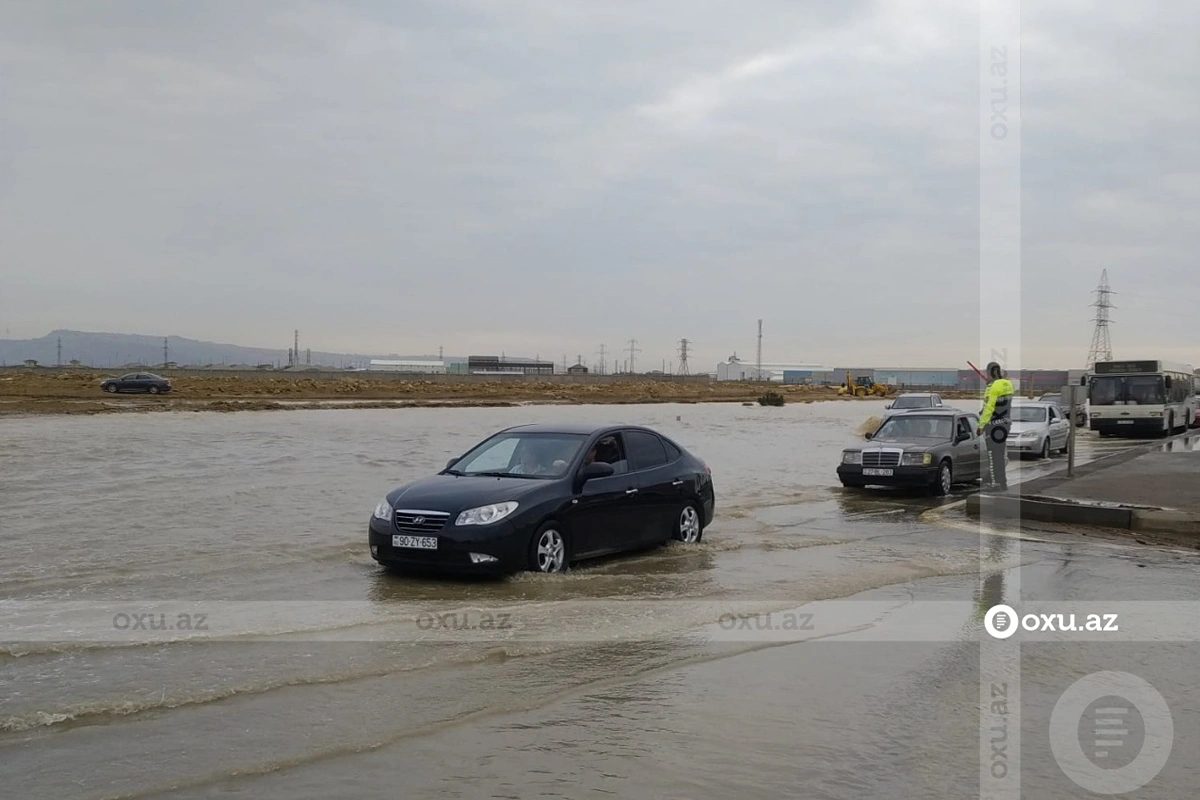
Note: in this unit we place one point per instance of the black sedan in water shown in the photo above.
(137, 382)
(540, 497)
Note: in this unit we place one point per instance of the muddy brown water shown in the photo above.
(315, 674)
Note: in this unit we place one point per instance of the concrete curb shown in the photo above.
(1035, 501)
(1048, 510)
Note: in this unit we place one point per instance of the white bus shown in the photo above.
(1138, 397)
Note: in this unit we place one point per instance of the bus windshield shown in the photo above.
(1134, 390)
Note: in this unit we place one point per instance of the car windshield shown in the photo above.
(905, 427)
(913, 402)
(531, 455)
(1028, 414)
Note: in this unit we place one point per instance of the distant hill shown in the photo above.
(121, 349)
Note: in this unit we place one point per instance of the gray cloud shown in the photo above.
(538, 177)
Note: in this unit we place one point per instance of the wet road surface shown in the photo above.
(819, 642)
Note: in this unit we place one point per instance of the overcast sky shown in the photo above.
(541, 177)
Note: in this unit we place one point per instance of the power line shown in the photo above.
(1101, 349)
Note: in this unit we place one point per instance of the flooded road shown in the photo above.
(303, 670)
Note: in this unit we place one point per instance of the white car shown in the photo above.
(1040, 428)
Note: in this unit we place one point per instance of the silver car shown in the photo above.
(911, 401)
(1037, 427)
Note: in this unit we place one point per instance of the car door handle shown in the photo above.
(677, 483)
(631, 491)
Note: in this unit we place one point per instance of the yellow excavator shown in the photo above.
(863, 387)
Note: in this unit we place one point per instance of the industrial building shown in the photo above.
(497, 365)
(1039, 381)
(736, 370)
(420, 367)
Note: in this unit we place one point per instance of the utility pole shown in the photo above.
(633, 348)
(60, 351)
(440, 357)
(603, 362)
(683, 356)
(166, 353)
(308, 356)
(758, 364)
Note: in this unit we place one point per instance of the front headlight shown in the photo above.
(383, 511)
(917, 459)
(851, 457)
(486, 515)
(1027, 435)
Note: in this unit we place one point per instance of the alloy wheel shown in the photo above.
(946, 478)
(689, 525)
(551, 551)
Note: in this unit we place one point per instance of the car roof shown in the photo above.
(934, 412)
(584, 428)
(916, 394)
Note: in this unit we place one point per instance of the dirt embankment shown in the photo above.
(54, 392)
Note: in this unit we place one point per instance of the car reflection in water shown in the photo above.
(540, 497)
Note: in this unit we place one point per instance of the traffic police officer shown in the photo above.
(995, 421)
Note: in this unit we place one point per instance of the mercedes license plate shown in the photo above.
(419, 542)
(879, 472)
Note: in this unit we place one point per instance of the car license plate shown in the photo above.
(883, 473)
(418, 542)
(1124, 422)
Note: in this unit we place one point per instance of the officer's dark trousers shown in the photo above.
(995, 473)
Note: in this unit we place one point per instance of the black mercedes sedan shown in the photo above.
(540, 497)
(137, 382)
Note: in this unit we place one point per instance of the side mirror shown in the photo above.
(597, 469)
(451, 463)
(870, 435)
(889, 405)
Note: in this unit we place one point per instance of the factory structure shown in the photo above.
(473, 365)
(900, 379)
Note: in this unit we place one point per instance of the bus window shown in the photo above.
(1145, 390)
(1105, 390)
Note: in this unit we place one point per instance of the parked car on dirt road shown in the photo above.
(935, 448)
(539, 497)
(137, 382)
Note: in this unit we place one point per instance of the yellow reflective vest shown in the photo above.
(997, 403)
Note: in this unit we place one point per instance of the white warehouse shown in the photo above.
(419, 367)
(737, 370)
